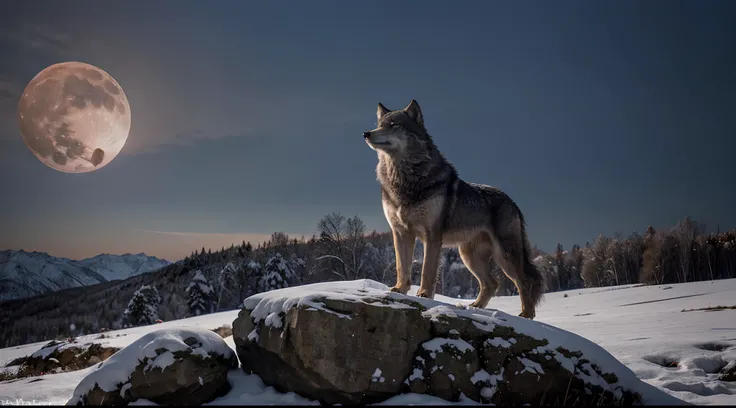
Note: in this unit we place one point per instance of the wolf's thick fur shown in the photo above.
(423, 197)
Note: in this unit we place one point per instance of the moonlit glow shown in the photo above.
(74, 117)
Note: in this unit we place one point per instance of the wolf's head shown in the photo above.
(399, 132)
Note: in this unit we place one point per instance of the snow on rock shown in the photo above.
(61, 356)
(52, 347)
(728, 373)
(487, 392)
(141, 369)
(438, 343)
(498, 342)
(253, 336)
(487, 382)
(340, 339)
(415, 375)
(376, 377)
(480, 375)
(280, 301)
(628, 333)
(161, 361)
(274, 320)
(532, 366)
(458, 342)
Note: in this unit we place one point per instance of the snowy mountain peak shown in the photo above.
(115, 267)
(25, 274)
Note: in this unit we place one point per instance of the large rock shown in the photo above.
(168, 367)
(62, 356)
(357, 343)
(728, 373)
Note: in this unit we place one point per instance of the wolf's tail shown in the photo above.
(534, 277)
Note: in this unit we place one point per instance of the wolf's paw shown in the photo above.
(527, 315)
(399, 289)
(425, 294)
(476, 304)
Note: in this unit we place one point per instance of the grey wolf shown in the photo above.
(423, 197)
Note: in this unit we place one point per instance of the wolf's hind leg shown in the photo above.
(508, 253)
(476, 256)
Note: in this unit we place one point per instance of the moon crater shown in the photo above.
(74, 117)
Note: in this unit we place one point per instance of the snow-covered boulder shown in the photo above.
(62, 356)
(186, 366)
(728, 373)
(357, 343)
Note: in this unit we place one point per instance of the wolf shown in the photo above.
(423, 197)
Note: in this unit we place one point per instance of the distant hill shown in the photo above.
(26, 274)
(91, 307)
(118, 267)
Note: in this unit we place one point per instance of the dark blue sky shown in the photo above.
(596, 117)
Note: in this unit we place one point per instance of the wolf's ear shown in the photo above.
(381, 111)
(415, 112)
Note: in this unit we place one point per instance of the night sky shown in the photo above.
(247, 117)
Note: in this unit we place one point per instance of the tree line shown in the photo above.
(209, 281)
(342, 249)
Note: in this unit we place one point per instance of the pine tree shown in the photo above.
(252, 270)
(563, 280)
(651, 258)
(151, 294)
(143, 307)
(236, 282)
(200, 295)
(276, 274)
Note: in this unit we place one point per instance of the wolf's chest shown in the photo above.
(399, 216)
(415, 217)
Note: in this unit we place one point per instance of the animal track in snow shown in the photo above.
(710, 364)
(663, 361)
(714, 346)
(698, 388)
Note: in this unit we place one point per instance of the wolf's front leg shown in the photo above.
(428, 284)
(404, 249)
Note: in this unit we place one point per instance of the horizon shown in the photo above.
(596, 118)
(304, 238)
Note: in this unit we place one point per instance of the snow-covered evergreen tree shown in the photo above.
(200, 295)
(151, 294)
(226, 285)
(276, 274)
(298, 266)
(237, 281)
(143, 307)
(251, 272)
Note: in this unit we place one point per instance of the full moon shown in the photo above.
(74, 117)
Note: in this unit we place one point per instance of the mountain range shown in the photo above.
(26, 274)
